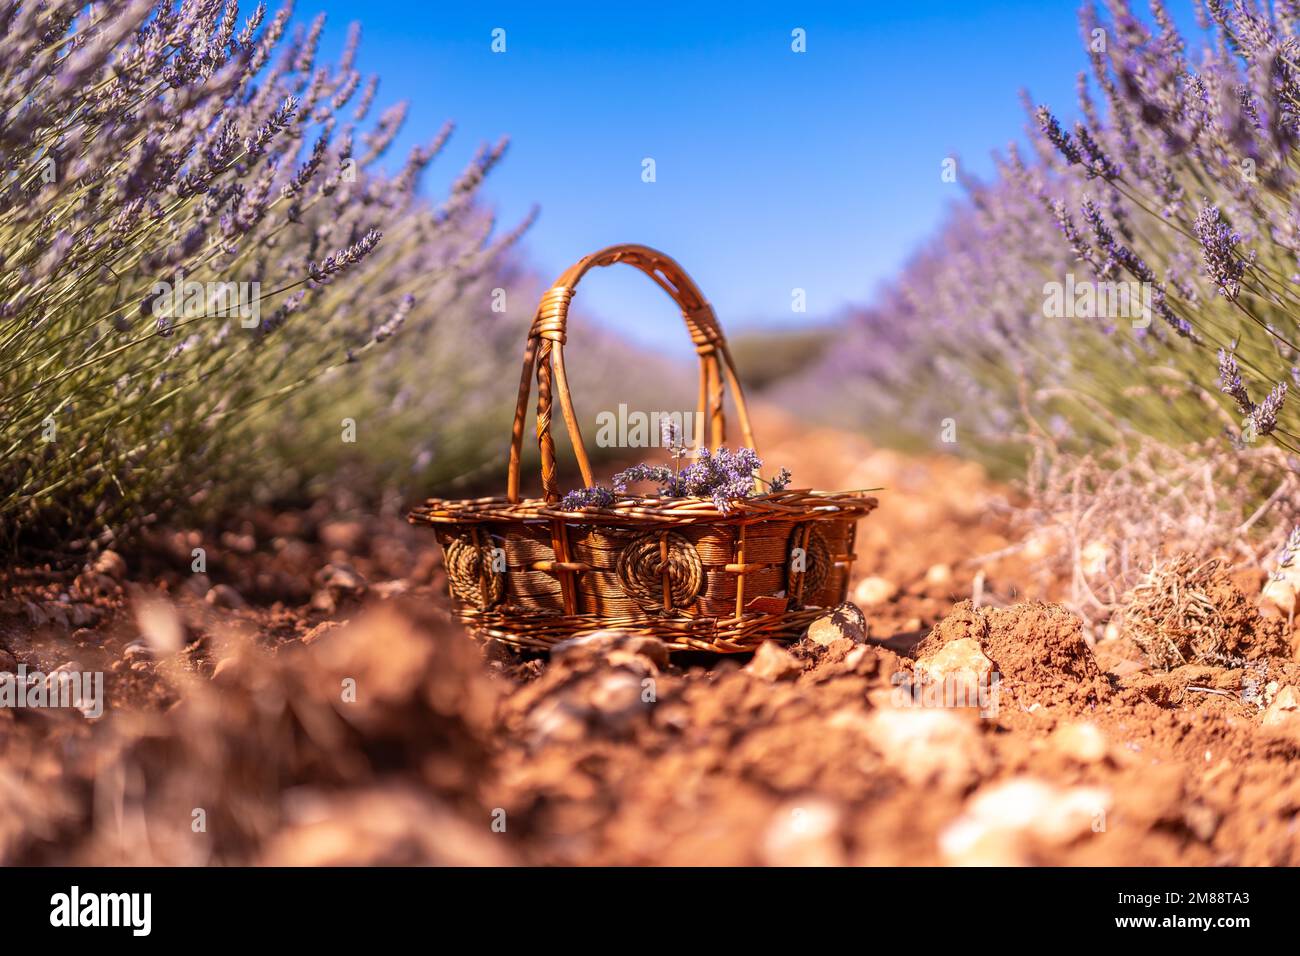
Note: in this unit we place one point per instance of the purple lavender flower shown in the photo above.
(1219, 247)
(781, 481)
(1287, 558)
(1057, 136)
(722, 475)
(308, 169)
(1119, 255)
(1105, 239)
(280, 315)
(658, 474)
(1098, 164)
(335, 263)
(593, 497)
(1230, 382)
(1078, 245)
(255, 145)
(1264, 418)
(245, 38)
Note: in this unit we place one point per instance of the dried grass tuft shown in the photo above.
(1188, 610)
(1100, 521)
(1172, 617)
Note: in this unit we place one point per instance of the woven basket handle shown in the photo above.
(545, 354)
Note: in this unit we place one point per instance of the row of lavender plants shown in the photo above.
(1176, 184)
(206, 268)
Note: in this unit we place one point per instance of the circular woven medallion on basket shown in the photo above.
(644, 574)
(469, 569)
(816, 561)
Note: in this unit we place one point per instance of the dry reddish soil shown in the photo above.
(227, 737)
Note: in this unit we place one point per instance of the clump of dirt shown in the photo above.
(1037, 648)
(371, 745)
(1040, 643)
(1190, 611)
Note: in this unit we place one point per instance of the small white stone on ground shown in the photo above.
(616, 692)
(1284, 712)
(1005, 822)
(927, 745)
(804, 833)
(846, 621)
(963, 658)
(342, 577)
(938, 575)
(1281, 588)
(1082, 741)
(874, 590)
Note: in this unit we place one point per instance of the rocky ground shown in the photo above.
(305, 699)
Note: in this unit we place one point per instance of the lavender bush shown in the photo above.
(1178, 175)
(434, 412)
(194, 229)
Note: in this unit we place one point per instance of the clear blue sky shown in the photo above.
(775, 170)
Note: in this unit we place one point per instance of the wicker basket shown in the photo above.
(531, 574)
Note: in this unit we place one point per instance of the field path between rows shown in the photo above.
(223, 693)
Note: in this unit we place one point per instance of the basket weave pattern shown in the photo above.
(531, 574)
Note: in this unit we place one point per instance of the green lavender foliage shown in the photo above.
(145, 143)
